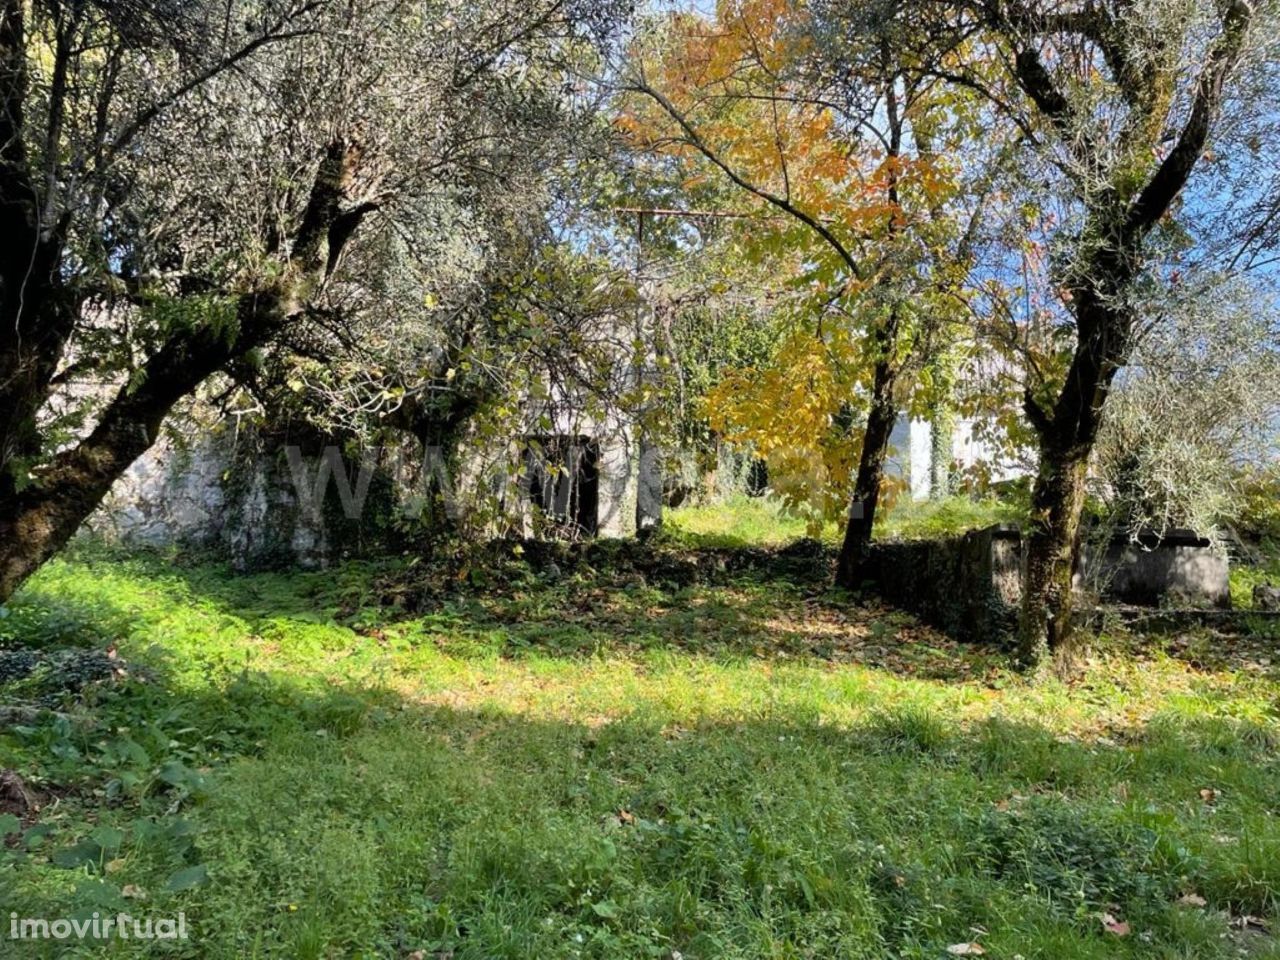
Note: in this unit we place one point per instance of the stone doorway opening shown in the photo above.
(564, 483)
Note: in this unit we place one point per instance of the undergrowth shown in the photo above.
(593, 755)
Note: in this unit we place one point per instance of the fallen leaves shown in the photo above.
(1115, 927)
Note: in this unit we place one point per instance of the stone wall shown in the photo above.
(216, 492)
(967, 586)
(172, 495)
(1178, 569)
(971, 586)
(233, 494)
(618, 467)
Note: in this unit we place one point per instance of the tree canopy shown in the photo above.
(768, 226)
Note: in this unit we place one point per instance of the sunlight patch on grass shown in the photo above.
(762, 522)
(587, 768)
(740, 521)
(930, 519)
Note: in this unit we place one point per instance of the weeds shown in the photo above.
(615, 763)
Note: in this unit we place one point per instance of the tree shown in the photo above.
(1116, 102)
(1196, 406)
(852, 168)
(180, 192)
(77, 99)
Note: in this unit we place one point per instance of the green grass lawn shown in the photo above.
(620, 764)
(760, 521)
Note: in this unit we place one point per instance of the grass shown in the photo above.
(758, 521)
(621, 763)
(1265, 569)
(738, 522)
(929, 519)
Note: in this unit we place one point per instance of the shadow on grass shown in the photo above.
(587, 600)
(338, 821)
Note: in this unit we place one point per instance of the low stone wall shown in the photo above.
(967, 586)
(971, 586)
(1178, 569)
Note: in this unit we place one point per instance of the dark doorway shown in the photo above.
(564, 484)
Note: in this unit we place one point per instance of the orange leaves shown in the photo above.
(725, 103)
(858, 213)
(724, 78)
(834, 166)
(872, 219)
(760, 29)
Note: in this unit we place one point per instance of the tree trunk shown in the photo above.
(38, 521)
(1067, 436)
(942, 482)
(1053, 547)
(37, 316)
(850, 568)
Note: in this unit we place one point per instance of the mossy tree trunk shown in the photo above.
(38, 517)
(38, 521)
(1052, 555)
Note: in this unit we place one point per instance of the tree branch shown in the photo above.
(276, 34)
(1155, 199)
(782, 203)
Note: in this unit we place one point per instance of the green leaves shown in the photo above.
(187, 879)
(102, 843)
(216, 312)
(33, 838)
(78, 855)
(606, 909)
(180, 776)
(108, 838)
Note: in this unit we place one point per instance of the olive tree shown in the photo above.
(186, 188)
(1117, 104)
(1196, 405)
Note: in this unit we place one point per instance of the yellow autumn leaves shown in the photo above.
(797, 414)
